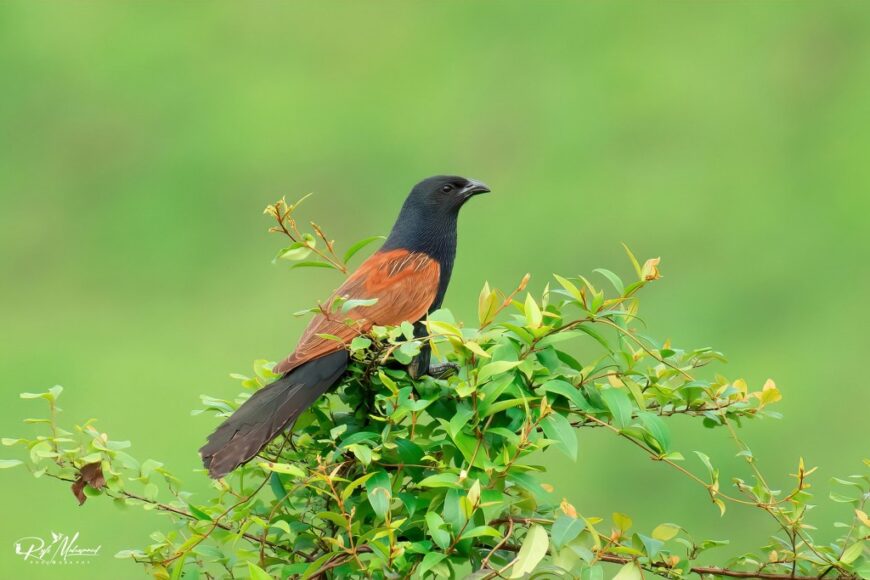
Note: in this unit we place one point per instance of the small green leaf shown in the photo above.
(286, 468)
(440, 480)
(496, 368)
(622, 521)
(476, 349)
(567, 390)
(569, 287)
(361, 452)
(533, 312)
(310, 264)
(565, 529)
(487, 304)
(630, 571)
(657, 429)
(351, 251)
(459, 420)
(665, 532)
(198, 513)
(294, 252)
(559, 429)
(6, 463)
(481, 531)
(430, 560)
(257, 573)
(651, 546)
(852, 552)
(357, 303)
(379, 493)
(619, 406)
(533, 550)
(705, 459)
(614, 279)
(435, 524)
(360, 343)
(634, 262)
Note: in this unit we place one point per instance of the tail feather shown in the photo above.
(268, 412)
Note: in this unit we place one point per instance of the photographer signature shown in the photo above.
(62, 549)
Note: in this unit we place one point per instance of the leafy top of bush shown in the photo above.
(391, 477)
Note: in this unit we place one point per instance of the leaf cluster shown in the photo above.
(393, 477)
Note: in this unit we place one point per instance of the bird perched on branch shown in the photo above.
(407, 278)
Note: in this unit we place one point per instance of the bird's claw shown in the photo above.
(443, 371)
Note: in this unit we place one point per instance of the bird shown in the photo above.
(407, 278)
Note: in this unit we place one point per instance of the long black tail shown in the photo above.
(268, 412)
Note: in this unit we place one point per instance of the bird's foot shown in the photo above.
(443, 371)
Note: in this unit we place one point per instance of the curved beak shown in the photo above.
(474, 187)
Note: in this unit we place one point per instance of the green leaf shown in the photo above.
(178, 567)
(614, 279)
(532, 312)
(257, 573)
(705, 459)
(459, 420)
(476, 349)
(310, 264)
(495, 368)
(380, 493)
(567, 390)
(360, 343)
(294, 252)
(630, 571)
(199, 514)
(600, 339)
(533, 550)
(351, 251)
(619, 406)
(665, 532)
(435, 524)
(277, 487)
(348, 490)
(651, 546)
(6, 463)
(502, 405)
(150, 491)
(333, 517)
(440, 480)
(362, 452)
(622, 521)
(430, 560)
(634, 262)
(569, 287)
(593, 573)
(357, 303)
(487, 304)
(657, 429)
(481, 531)
(286, 468)
(852, 552)
(317, 564)
(409, 452)
(565, 529)
(559, 429)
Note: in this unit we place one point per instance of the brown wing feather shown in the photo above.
(404, 283)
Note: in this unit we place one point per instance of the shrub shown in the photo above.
(391, 477)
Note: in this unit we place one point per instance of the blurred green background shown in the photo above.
(139, 143)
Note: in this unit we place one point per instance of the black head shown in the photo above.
(444, 193)
(427, 222)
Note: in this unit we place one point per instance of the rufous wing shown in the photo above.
(405, 285)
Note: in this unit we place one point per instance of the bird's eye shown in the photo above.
(447, 188)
